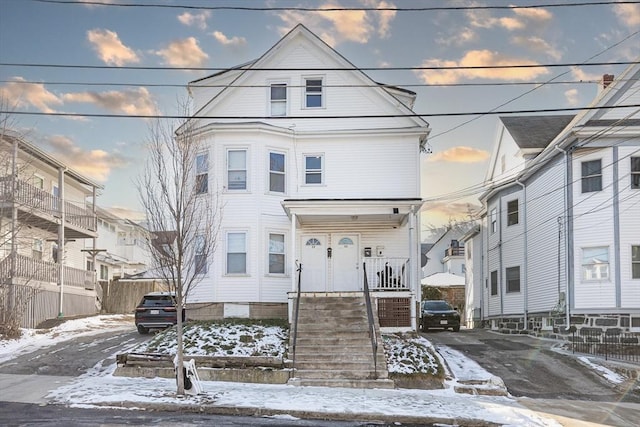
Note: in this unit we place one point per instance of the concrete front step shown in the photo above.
(329, 373)
(346, 383)
(340, 365)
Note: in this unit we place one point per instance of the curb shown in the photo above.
(308, 415)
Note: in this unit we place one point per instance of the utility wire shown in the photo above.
(336, 9)
(364, 116)
(249, 68)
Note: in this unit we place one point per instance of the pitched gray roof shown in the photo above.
(535, 131)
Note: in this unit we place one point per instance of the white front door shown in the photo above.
(344, 260)
(313, 277)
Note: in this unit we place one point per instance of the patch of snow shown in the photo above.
(610, 375)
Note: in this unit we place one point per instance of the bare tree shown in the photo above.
(182, 211)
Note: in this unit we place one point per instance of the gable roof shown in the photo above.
(242, 71)
(535, 131)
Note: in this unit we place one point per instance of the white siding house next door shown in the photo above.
(314, 263)
(344, 259)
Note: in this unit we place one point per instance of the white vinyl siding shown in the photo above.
(546, 256)
(629, 226)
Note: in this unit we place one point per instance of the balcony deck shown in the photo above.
(35, 271)
(37, 208)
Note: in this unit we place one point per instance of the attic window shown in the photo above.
(278, 98)
(313, 93)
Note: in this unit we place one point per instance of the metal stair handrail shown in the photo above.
(295, 320)
(372, 327)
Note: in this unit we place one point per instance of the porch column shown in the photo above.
(413, 264)
(61, 251)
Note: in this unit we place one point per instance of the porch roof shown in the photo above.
(390, 212)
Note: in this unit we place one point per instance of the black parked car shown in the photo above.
(156, 310)
(439, 314)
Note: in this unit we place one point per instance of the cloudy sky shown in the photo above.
(379, 34)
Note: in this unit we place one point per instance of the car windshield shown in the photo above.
(157, 301)
(436, 305)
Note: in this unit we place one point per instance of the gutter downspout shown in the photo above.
(568, 188)
(526, 258)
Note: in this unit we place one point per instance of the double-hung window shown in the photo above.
(37, 249)
(278, 98)
(237, 169)
(595, 263)
(276, 172)
(313, 165)
(276, 253)
(236, 253)
(512, 212)
(200, 255)
(635, 173)
(513, 279)
(494, 220)
(313, 92)
(635, 262)
(494, 282)
(591, 176)
(202, 173)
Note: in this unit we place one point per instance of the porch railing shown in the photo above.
(387, 273)
(34, 199)
(372, 326)
(34, 270)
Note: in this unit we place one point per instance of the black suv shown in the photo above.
(439, 314)
(156, 310)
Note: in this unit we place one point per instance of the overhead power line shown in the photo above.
(402, 85)
(364, 116)
(336, 9)
(249, 68)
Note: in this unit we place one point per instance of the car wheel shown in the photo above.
(425, 328)
(142, 330)
(456, 329)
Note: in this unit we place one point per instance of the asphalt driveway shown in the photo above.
(529, 367)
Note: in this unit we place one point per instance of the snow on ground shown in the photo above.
(610, 375)
(99, 387)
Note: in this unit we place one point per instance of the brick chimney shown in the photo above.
(607, 79)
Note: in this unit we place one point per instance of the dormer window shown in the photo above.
(278, 98)
(313, 93)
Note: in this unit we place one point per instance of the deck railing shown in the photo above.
(387, 273)
(34, 270)
(31, 198)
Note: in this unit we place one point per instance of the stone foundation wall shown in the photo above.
(582, 328)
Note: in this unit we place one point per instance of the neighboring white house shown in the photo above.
(559, 241)
(446, 255)
(46, 217)
(317, 166)
(121, 247)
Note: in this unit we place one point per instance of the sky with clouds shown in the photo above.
(382, 36)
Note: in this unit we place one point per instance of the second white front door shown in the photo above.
(345, 263)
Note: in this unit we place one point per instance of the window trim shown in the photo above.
(283, 253)
(271, 171)
(493, 283)
(199, 256)
(305, 93)
(202, 173)
(226, 250)
(314, 171)
(635, 262)
(588, 178)
(511, 214)
(584, 265)
(509, 280)
(634, 173)
(271, 102)
(493, 219)
(246, 169)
